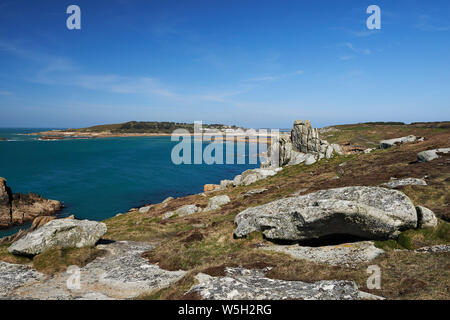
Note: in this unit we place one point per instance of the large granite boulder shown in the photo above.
(395, 183)
(245, 284)
(385, 144)
(430, 155)
(216, 202)
(64, 233)
(19, 208)
(364, 212)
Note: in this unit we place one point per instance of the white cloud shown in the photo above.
(274, 77)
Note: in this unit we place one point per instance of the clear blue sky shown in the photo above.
(256, 63)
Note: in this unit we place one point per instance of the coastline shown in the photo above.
(213, 137)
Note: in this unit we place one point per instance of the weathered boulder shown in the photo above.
(430, 155)
(426, 218)
(365, 212)
(346, 254)
(394, 183)
(226, 183)
(244, 284)
(145, 209)
(168, 215)
(187, 210)
(385, 144)
(168, 199)
(64, 233)
(216, 202)
(254, 191)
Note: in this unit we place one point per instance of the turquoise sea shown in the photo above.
(98, 178)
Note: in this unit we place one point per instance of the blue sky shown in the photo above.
(250, 63)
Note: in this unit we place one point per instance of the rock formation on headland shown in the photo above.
(18, 208)
(302, 145)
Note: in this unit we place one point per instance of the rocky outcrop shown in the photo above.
(302, 145)
(346, 254)
(430, 155)
(395, 183)
(364, 212)
(182, 211)
(305, 138)
(19, 208)
(5, 204)
(385, 144)
(244, 284)
(145, 209)
(64, 233)
(13, 276)
(121, 273)
(251, 176)
(216, 202)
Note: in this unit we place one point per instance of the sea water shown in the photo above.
(98, 178)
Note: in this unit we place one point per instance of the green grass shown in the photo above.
(416, 238)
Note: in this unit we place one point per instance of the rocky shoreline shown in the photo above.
(17, 208)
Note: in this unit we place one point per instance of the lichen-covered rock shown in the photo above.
(346, 254)
(430, 155)
(404, 182)
(366, 212)
(13, 276)
(226, 183)
(187, 210)
(304, 137)
(426, 218)
(120, 273)
(216, 202)
(244, 284)
(385, 144)
(64, 233)
(145, 209)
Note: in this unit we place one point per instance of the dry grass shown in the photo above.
(58, 260)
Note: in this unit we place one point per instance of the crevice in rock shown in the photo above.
(328, 240)
(419, 217)
(10, 200)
